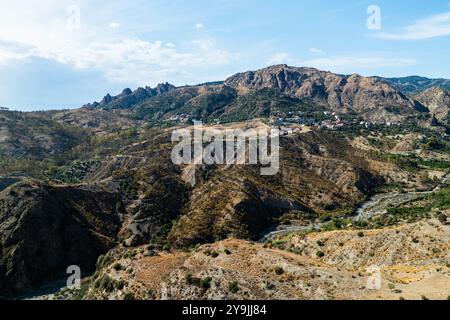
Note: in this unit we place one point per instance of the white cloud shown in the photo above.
(315, 50)
(28, 30)
(13, 51)
(199, 26)
(345, 64)
(434, 26)
(114, 25)
(363, 61)
(280, 58)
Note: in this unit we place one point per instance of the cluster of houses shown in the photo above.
(181, 118)
(332, 121)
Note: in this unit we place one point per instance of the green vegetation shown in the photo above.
(202, 283)
(206, 283)
(118, 267)
(233, 287)
(108, 284)
(416, 210)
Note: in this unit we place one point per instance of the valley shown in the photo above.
(362, 182)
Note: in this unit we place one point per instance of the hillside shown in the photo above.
(411, 258)
(438, 102)
(373, 99)
(416, 84)
(101, 177)
(44, 229)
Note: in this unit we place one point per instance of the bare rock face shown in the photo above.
(372, 98)
(438, 101)
(45, 229)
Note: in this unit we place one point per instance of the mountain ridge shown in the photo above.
(375, 99)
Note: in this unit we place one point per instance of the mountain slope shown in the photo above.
(438, 101)
(411, 258)
(44, 229)
(415, 84)
(371, 98)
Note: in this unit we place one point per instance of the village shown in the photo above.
(325, 120)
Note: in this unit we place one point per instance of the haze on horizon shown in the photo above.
(63, 54)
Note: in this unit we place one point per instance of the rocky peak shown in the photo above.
(126, 92)
(106, 99)
(129, 98)
(340, 93)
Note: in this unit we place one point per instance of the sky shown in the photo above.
(57, 54)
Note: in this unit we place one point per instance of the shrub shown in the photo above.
(206, 283)
(109, 285)
(129, 296)
(279, 270)
(214, 254)
(117, 266)
(360, 234)
(203, 283)
(270, 286)
(207, 253)
(320, 254)
(442, 218)
(227, 252)
(189, 279)
(233, 287)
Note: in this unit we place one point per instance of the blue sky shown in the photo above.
(62, 54)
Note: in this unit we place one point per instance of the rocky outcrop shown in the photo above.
(45, 229)
(129, 98)
(438, 101)
(371, 98)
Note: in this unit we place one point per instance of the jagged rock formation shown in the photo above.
(128, 98)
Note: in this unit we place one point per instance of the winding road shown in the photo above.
(376, 206)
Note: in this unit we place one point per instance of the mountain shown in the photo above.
(437, 100)
(271, 91)
(76, 184)
(128, 98)
(415, 84)
(371, 98)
